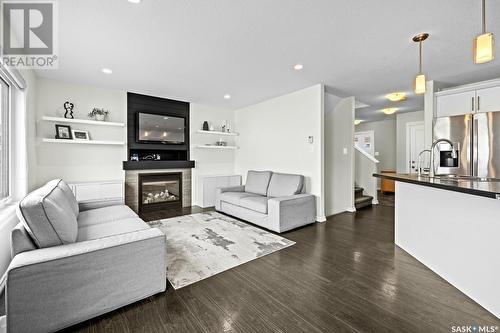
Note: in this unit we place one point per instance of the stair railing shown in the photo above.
(365, 166)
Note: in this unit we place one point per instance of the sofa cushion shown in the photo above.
(257, 182)
(48, 214)
(20, 241)
(106, 229)
(104, 214)
(234, 197)
(283, 185)
(256, 203)
(70, 196)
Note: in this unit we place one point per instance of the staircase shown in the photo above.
(361, 200)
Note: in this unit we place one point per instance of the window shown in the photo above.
(4, 139)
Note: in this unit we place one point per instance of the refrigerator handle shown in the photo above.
(475, 126)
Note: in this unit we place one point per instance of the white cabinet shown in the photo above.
(455, 104)
(98, 191)
(207, 184)
(488, 99)
(473, 98)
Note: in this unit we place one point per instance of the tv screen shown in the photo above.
(154, 128)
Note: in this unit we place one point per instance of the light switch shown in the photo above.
(377, 153)
(344, 151)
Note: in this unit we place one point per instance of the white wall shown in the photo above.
(401, 121)
(274, 136)
(339, 156)
(74, 162)
(210, 161)
(385, 141)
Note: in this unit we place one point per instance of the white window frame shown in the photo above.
(7, 126)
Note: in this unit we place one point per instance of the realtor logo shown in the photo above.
(28, 36)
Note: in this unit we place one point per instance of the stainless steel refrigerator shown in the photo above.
(478, 138)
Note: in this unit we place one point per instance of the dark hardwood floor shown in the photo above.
(345, 275)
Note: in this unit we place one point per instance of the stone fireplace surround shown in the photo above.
(132, 186)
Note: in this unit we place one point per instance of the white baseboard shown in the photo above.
(351, 209)
(321, 218)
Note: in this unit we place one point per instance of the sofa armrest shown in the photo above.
(289, 212)
(220, 190)
(53, 288)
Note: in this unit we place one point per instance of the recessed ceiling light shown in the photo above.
(298, 67)
(227, 96)
(389, 110)
(134, 1)
(107, 71)
(396, 96)
(357, 121)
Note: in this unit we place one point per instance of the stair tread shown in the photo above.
(364, 198)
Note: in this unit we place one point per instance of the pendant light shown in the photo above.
(483, 44)
(419, 84)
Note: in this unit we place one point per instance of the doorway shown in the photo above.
(415, 143)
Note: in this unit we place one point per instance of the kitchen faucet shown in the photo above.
(419, 160)
(454, 154)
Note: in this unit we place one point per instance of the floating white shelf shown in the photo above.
(82, 121)
(218, 133)
(84, 142)
(216, 147)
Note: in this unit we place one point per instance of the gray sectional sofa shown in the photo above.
(70, 265)
(271, 200)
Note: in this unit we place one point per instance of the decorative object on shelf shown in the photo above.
(98, 114)
(211, 128)
(205, 126)
(223, 126)
(152, 157)
(63, 132)
(80, 135)
(221, 143)
(68, 106)
(484, 44)
(134, 157)
(419, 84)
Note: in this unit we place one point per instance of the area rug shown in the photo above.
(202, 245)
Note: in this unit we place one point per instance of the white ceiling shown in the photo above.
(199, 50)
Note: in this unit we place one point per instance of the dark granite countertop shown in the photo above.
(489, 188)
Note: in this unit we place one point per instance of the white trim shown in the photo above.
(468, 87)
(364, 153)
(321, 219)
(408, 145)
(218, 133)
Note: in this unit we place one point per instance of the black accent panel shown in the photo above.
(167, 153)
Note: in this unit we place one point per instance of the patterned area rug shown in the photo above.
(205, 244)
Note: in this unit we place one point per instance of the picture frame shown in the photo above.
(80, 135)
(63, 132)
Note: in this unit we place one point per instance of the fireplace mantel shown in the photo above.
(148, 165)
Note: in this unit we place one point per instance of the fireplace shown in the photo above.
(159, 191)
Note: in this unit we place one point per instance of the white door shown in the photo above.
(366, 141)
(456, 104)
(488, 100)
(415, 143)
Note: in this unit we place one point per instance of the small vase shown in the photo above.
(100, 117)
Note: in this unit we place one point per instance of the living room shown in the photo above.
(197, 170)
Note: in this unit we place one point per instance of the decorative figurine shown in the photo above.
(68, 106)
(205, 126)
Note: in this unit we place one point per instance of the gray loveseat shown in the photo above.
(70, 265)
(271, 200)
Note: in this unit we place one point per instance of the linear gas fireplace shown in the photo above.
(159, 191)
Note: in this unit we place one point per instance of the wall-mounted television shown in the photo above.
(156, 128)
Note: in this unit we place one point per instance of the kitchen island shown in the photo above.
(452, 225)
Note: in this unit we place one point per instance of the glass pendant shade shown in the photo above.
(484, 48)
(419, 84)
